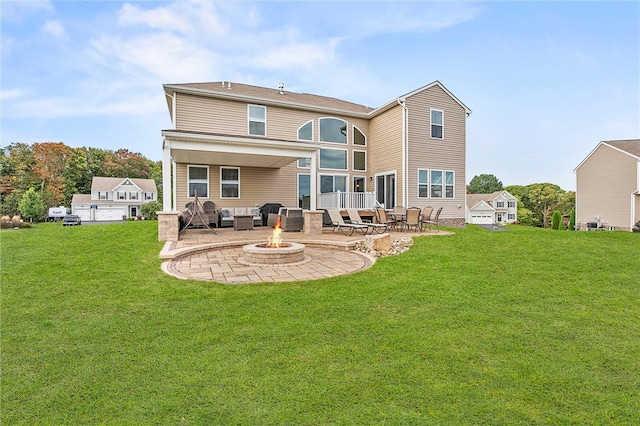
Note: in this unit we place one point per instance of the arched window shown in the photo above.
(333, 130)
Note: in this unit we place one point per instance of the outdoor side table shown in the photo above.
(242, 222)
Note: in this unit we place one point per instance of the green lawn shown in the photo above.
(528, 326)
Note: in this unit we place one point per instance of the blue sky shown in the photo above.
(546, 81)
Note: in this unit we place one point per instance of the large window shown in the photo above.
(257, 120)
(448, 184)
(423, 183)
(360, 161)
(436, 183)
(333, 130)
(359, 183)
(333, 183)
(305, 132)
(229, 182)
(333, 159)
(198, 178)
(437, 124)
(358, 137)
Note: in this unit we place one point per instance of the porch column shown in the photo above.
(313, 178)
(167, 195)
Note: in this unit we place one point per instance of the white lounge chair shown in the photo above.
(340, 225)
(355, 218)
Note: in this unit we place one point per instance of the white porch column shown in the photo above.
(313, 178)
(167, 193)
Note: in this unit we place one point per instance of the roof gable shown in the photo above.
(100, 183)
(629, 147)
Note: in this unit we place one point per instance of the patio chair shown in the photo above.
(434, 221)
(210, 211)
(355, 218)
(291, 219)
(382, 216)
(425, 216)
(412, 219)
(340, 225)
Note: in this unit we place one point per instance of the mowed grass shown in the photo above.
(528, 326)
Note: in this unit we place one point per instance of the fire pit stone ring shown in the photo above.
(263, 254)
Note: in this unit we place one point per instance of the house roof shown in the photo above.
(229, 90)
(473, 199)
(626, 146)
(100, 183)
(221, 89)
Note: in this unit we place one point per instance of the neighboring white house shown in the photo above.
(114, 198)
(499, 207)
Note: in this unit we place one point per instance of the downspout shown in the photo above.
(405, 151)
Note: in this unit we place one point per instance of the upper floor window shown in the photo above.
(437, 123)
(133, 195)
(500, 204)
(229, 182)
(102, 195)
(511, 204)
(333, 130)
(122, 195)
(257, 120)
(148, 196)
(305, 132)
(360, 160)
(449, 183)
(358, 137)
(198, 178)
(423, 183)
(333, 159)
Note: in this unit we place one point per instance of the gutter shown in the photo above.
(405, 150)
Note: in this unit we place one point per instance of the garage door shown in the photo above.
(482, 219)
(83, 213)
(110, 213)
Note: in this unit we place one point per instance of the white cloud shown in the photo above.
(17, 11)
(54, 28)
(13, 94)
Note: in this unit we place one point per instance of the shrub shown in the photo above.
(557, 218)
(572, 220)
(149, 210)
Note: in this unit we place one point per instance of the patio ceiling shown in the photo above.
(201, 148)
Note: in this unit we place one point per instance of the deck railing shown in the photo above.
(347, 200)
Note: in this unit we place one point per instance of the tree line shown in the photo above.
(55, 171)
(537, 202)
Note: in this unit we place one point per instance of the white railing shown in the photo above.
(347, 200)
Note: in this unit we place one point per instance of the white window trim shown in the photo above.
(353, 183)
(354, 139)
(229, 181)
(418, 184)
(442, 185)
(346, 180)
(335, 149)
(444, 181)
(101, 193)
(431, 124)
(346, 124)
(150, 196)
(353, 161)
(312, 132)
(249, 119)
(298, 183)
(123, 193)
(134, 194)
(198, 180)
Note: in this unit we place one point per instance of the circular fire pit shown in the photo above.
(263, 254)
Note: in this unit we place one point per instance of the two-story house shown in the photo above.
(114, 198)
(608, 186)
(240, 145)
(499, 207)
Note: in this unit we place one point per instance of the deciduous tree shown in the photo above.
(484, 184)
(31, 206)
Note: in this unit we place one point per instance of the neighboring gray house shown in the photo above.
(114, 198)
(499, 207)
(608, 186)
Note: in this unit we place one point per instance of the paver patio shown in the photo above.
(201, 254)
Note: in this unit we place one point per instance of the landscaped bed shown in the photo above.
(528, 326)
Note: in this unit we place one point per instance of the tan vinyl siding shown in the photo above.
(604, 184)
(226, 117)
(437, 154)
(281, 187)
(385, 147)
